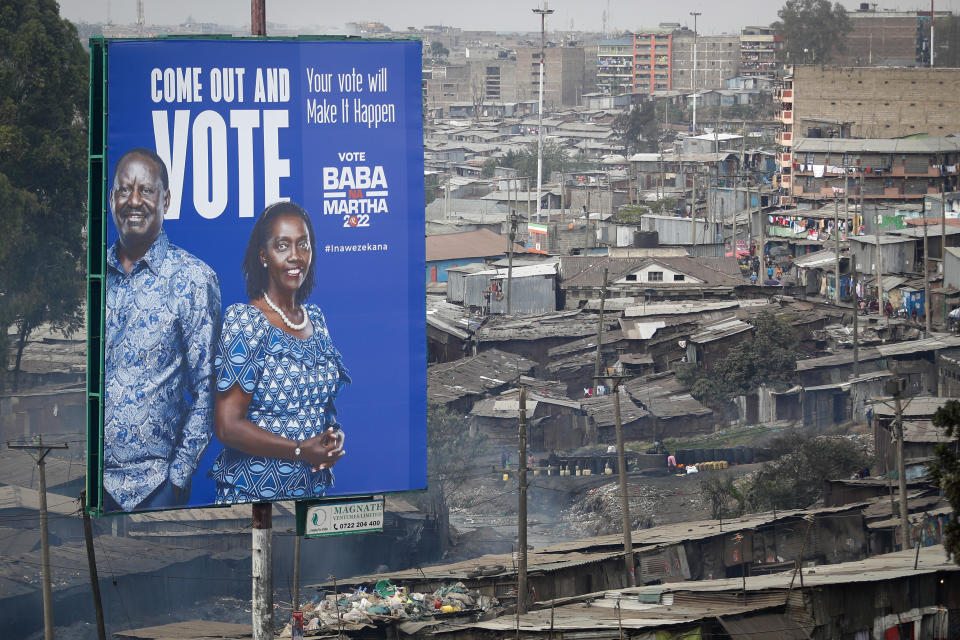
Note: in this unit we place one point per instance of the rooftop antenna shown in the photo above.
(140, 21)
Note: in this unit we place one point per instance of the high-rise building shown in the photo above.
(887, 38)
(661, 59)
(759, 50)
(615, 65)
(563, 75)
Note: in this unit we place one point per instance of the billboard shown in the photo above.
(257, 309)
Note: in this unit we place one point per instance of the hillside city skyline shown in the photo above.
(494, 15)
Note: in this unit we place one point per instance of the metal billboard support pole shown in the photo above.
(262, 571)
(92, 566)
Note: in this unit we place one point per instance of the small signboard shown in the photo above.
(341, 518)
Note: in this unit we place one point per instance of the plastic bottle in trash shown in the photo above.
(296, 626)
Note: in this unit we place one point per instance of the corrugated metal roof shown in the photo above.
(476, 375)
(470, 244)
(875, 145)
(722, 329)
(763, 626)
(816, 259)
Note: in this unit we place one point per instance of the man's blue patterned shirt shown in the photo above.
(162, 326)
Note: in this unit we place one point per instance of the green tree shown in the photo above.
(43, 103)
(555, 158)
(437, 50)
(813, 30)
(638, 129)
(452, 455)
(489, 167)
(770, 358)
(946, 471)
(795, 479)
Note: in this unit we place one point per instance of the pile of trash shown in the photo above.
(388, 603)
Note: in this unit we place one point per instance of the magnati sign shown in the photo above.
(336, 519)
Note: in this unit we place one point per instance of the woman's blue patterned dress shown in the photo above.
(294, 383)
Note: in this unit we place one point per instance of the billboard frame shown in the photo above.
(97, 223)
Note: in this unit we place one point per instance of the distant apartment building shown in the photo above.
(563, 80)
(615, 65)
(718, 60)
(662, 59)
(759, 50)
(874, 169)
(887, 38)
(502, 80)
(838, 102)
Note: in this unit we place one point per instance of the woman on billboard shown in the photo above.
(278, 373)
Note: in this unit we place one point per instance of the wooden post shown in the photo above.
(836, 233)
(262, 571)
(597, 361)
(624, 496)
(41, 451)
(258, 18)
(522, 508)
(901, 468)
(92, 567)
(296, 573)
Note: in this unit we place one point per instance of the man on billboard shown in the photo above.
(162, 325)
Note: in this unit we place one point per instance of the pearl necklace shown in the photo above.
(283, 316)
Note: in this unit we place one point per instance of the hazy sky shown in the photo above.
(719, 16)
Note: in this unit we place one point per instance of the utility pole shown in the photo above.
(596, 364)
(40, 452)
(695, 14)
(522, 508)
(856, 320)
(763, 238)
(926, 279)
(543, 13)
(693, 212)
(92, 566)
(836, 235)
(511, 235)
(630, 571)
(898, 387)
(262, 513)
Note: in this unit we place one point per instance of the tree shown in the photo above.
(813, 30)
(452, 453)
(638, 129)
(770, 358)
(43, 136)
(437, 50)
(795, 480)
(946, 471)
(555, 158)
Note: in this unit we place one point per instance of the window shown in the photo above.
(655, 276)
(679, 277)
(631, 277)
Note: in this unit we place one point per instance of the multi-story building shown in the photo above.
(718, 60)
(652, 60)
(563, 75)
(887, 38)
(759, 49)
(615, 66)
(661, 59)
(874, 169)
(817, 101)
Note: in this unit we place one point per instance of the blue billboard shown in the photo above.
(257, 251)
